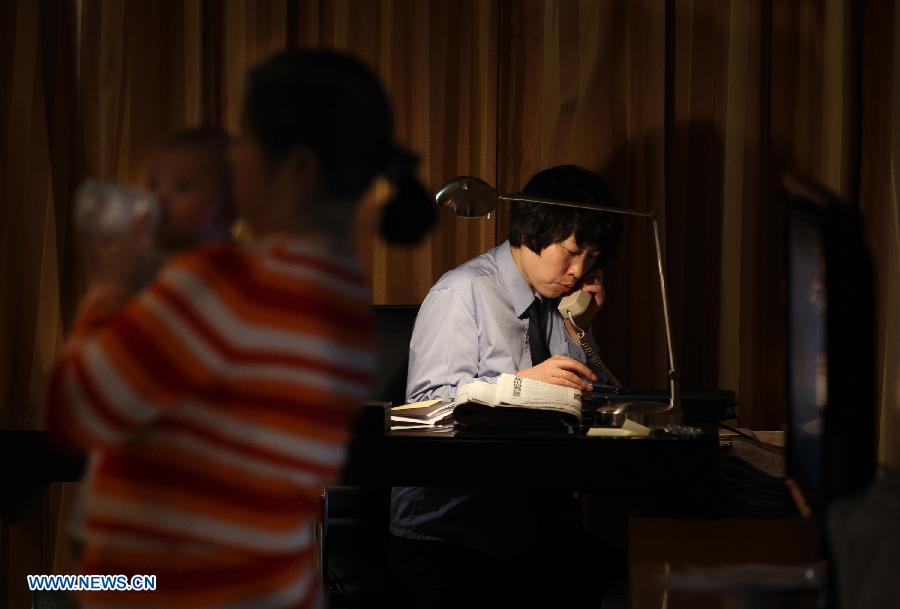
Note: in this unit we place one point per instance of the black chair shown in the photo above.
(393, 326)
(353, 532)
(354, 539)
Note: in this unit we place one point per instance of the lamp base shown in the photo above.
(701, 406)
(645, 413)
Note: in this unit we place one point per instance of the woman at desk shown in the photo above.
(494, 314)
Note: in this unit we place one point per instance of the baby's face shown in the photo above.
(189, 187)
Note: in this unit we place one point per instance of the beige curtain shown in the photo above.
(438, 61)
(886, 219)
(92, 87)
(140, 77)
(584, 83)
(880, 199)
(758, 89)
(30, 222)
(693, 109)
(37, 164)
(690, 108)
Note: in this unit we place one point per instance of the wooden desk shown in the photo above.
(26, 454)
(28, 464)
(632, 466)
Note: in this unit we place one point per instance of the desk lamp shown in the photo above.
(470, 197)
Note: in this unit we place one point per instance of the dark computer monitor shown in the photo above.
(830, 348)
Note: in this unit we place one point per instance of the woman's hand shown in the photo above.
(561, 370)
(592, 283)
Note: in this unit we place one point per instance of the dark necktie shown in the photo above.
(537, 336)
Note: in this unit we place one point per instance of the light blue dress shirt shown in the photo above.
(473, 325)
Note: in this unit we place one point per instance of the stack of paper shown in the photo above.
(431, 415)
(516, 391)
(518, 403)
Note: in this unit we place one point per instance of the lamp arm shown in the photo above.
(674, 376)
(674, 380)
(613, 210)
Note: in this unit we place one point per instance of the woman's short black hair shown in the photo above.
(537, 226)
(334, 105)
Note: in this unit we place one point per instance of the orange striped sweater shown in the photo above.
(218, 403)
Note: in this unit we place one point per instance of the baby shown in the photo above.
(191, 179)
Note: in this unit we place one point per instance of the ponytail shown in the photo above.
(407, 216)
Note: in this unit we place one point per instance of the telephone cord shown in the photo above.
(593, 357)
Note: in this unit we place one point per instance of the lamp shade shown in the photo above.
(467, 197)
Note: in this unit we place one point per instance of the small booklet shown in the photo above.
(629, 429)
(428, 415)
(515, 402)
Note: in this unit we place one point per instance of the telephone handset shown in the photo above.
(573, 305)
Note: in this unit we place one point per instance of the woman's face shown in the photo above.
(558, 267)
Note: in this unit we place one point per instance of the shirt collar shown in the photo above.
(520, 293)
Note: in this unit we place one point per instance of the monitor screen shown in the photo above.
(830, 347)
(807, 355)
